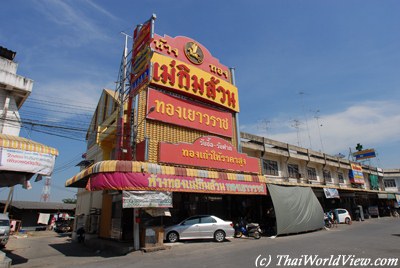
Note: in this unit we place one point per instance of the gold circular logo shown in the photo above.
(194, 53)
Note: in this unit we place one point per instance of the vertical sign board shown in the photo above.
(356, 175)
(141, 54)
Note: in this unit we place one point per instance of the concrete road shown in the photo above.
(359, 244)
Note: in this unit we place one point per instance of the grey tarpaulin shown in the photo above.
(297, 209)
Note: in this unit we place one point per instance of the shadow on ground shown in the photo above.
(16, 259)
(73, 249)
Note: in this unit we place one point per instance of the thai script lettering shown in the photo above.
(218, 71)
(162, 44)
(206, 142)
(182, 184)
(244, 188)
(198, 184)
(214, 156)
(191, 115)
(179, 75)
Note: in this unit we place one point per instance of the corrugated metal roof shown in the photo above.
(40, 205)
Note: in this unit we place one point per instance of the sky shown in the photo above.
(319, 74)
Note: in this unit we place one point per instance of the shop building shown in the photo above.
(170, 147)
(390, 201)
(354, 184)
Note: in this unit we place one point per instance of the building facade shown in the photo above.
(173, 149)
(20, 158)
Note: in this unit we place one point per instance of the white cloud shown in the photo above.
(371, 123)
(102, 10)
(77, 25)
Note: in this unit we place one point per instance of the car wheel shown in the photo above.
(347, 221)
(219, 236)
(172, 237)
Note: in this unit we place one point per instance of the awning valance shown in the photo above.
(21, 158)
(136, 181)
(80, 180)
(20, 143)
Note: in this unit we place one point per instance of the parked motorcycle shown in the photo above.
(327, 220)
(247, 229)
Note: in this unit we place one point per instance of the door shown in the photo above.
(207, 227)
(189, 228)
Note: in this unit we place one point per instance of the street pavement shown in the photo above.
(373, 238)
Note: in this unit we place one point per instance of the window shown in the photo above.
(191, 221)
(340, 177)
(327, 175)
(311, 173)
(208, 220)
(293, 171)
(270, 167)
(390, 184)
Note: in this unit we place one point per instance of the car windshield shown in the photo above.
(4, 223)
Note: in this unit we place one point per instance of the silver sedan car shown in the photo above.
(199, 227)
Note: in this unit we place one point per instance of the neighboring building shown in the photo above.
(391, 181)
(20, 158)
(101, 144)
(14, 90)
(287, 164)
(27, 212)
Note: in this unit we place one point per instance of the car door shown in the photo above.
(207, 227)
(190, 228)
(341, 215)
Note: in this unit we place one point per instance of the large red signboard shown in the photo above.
(208, 151)
(184, 113)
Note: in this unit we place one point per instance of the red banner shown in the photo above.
(158, 182)
(184, 113)
(208, 151)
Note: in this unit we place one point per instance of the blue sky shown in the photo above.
(331, 66)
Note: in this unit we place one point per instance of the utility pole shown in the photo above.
(319, 129)
(305, 117)
(45, 197)
(296, 125)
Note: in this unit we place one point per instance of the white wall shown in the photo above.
(9, 115)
